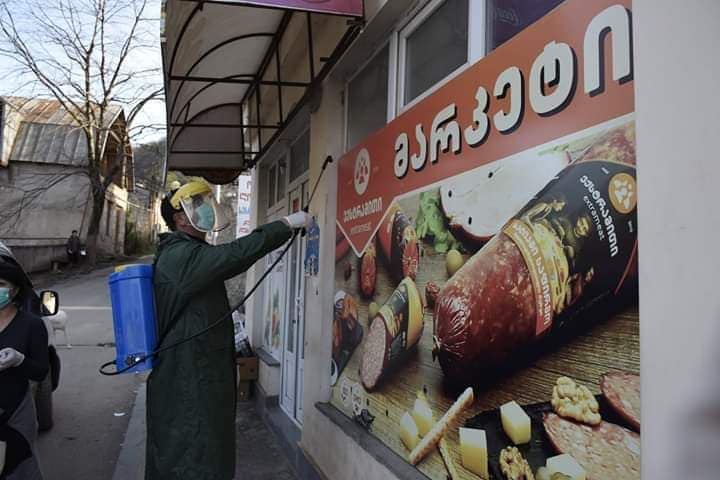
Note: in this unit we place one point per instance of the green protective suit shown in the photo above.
(191, 390)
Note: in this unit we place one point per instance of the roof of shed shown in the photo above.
(43, 110)
(48, 133)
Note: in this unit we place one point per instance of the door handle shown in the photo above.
(299, 304)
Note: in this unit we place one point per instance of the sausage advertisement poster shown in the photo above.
(486, 317)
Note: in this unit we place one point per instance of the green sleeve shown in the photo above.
(206, 264)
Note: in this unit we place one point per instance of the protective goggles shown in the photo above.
(200, 207)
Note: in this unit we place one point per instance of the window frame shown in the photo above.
(390, 87)
(274, 205)
(408, 23)
(292, 184)
(475, 48)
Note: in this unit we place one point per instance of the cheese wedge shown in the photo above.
(408, 431)
(515, 422)
(473, 451)
(566, 465)
(423, 416)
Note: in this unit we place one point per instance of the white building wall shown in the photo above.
(677, 117)
(39, 232)
(346, 460)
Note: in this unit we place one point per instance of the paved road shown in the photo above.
(91, 411)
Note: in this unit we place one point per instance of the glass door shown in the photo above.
(294, 338)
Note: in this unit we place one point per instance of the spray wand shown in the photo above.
(141, 358)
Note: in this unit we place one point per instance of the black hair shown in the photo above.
(167, 211)
(12, 272)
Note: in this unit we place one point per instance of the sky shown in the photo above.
(143, 58)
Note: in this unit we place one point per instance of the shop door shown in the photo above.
(293, 351)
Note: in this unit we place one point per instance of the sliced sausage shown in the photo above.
(606, 451)
(394, 331)
(622, 391)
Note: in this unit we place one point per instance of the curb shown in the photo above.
(131, 461)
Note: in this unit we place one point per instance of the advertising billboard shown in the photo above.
(485, 310)
(244, 226)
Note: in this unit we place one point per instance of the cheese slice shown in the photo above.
(423, 416)
(515, 422)
(567, 465)
(408, 431)
(473, 451)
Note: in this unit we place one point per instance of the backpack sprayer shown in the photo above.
(133, 306)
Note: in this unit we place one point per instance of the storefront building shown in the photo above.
(478, 221)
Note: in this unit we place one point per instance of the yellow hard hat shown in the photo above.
(196, 199)
(188, 190)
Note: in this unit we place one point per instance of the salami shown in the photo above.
(368, 272)
(570, 247)
(342, 246)
(617, 145)
(337, 336)
(485, 311)
(622, 391)
(394, 331)
(399, 244)
(606, 451)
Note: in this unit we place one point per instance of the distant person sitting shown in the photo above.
(73, 248)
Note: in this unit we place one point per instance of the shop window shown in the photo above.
(108, 213)
(272, 180)
(507, 18)
(432, 46)
(282, 177)
(367, 98)
(300, 156)
(276, 174)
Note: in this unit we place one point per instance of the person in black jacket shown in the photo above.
(23, 357)
(73, 248)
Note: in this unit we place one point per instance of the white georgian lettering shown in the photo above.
(440, 137)
(418, 160)
(555, 65)
(476, 133)
(615, 19)
(401, 155)
(510, 79)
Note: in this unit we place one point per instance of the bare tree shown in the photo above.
(83, 53)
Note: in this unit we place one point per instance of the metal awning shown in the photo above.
(223, 69)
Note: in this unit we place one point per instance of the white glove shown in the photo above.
(9, 358)
(298, 220)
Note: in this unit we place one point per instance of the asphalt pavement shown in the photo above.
(99, 430)
(91, 411)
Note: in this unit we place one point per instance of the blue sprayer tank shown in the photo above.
(133, 308)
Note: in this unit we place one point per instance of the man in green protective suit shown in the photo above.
(191, 390)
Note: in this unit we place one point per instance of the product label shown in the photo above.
(396, 313)
(578, 237)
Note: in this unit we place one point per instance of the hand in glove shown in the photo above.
(298, 220)
(9, 358)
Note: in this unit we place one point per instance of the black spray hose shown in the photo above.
(141, 358)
